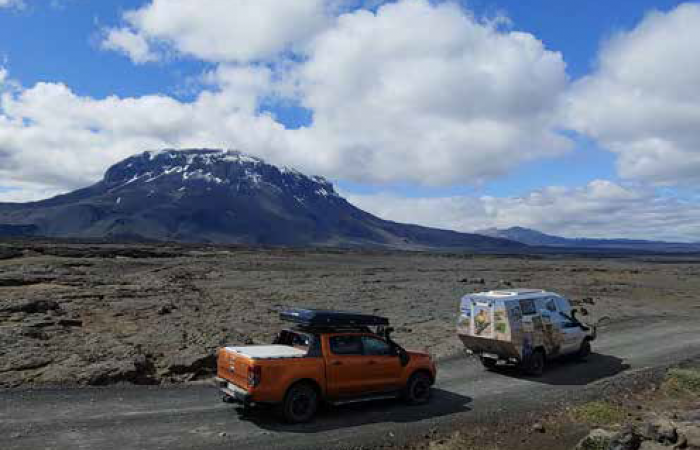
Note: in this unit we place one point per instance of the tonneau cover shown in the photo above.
(268, 351)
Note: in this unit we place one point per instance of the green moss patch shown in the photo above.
(683, 381)
(598, 413)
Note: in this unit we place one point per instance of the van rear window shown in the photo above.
(528, 307)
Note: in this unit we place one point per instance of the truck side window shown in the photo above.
(346, 345)
(375, 347)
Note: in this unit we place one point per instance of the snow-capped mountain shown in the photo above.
(223, 197)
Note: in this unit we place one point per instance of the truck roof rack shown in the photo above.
(321, 318)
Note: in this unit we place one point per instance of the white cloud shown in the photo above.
(53, 140)
(132, 44)
(428, 94)
(600, 209)
(643, 101)
(220, 30)
(416, 92)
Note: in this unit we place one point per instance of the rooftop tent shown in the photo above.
(327, 318)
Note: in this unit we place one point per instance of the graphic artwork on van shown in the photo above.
(551, 342)
(482, 324)
(499, 317)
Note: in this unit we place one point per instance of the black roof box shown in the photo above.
(328, 319)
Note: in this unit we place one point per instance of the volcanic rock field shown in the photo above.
(75, 314)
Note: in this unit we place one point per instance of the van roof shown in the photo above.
(513, 294)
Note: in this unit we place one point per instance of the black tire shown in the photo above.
(584, 351)
(300, 403)
(534, 365)
(418, 389)
(488, 363)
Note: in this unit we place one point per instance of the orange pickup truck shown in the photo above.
(331, 356)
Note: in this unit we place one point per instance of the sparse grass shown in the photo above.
(682, 381)
(598, 413)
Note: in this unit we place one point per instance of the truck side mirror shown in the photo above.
(403, 356)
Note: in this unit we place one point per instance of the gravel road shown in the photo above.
(190, 417)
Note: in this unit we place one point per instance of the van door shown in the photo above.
(572, 334)
(552, 335)
(573, 337)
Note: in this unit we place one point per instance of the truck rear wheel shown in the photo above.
(418, 389)
(534, 364)
(300, 403)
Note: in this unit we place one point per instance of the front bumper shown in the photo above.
(233, 392)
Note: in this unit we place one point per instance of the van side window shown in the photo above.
(528, 307)
(564, 305)
(346, 345)
(551, 306)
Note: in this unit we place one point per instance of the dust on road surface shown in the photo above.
(192, 417)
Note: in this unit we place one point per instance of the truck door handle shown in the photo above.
(336, 363)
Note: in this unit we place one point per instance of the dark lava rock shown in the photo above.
(138, 371)
(31, 307)
(191, 363)
(70, 322)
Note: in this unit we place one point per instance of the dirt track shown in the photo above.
(103, 314)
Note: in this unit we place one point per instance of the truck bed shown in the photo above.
(268, 351)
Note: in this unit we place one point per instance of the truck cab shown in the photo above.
(331, 356)
(525, 327)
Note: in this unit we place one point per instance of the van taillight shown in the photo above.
(254, 375)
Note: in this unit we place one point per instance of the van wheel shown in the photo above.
(417, 390)
(534, 364)
(488, 363)
(300, 403)
(585, 350)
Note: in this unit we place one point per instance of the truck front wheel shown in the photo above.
(417, 390)
(300, 403)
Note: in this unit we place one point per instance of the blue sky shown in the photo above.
(63, 42)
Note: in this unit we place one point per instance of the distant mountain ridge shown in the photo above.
(536, 238)
(219, 196)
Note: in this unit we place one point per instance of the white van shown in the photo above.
(525, 327)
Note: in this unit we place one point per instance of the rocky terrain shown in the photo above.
(217, 196)
(660, 412)
(96, 314)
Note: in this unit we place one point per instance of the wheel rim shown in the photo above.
(537, 363)
(420, 389)
(301, 405)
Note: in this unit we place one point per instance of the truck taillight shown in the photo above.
(254, 375)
